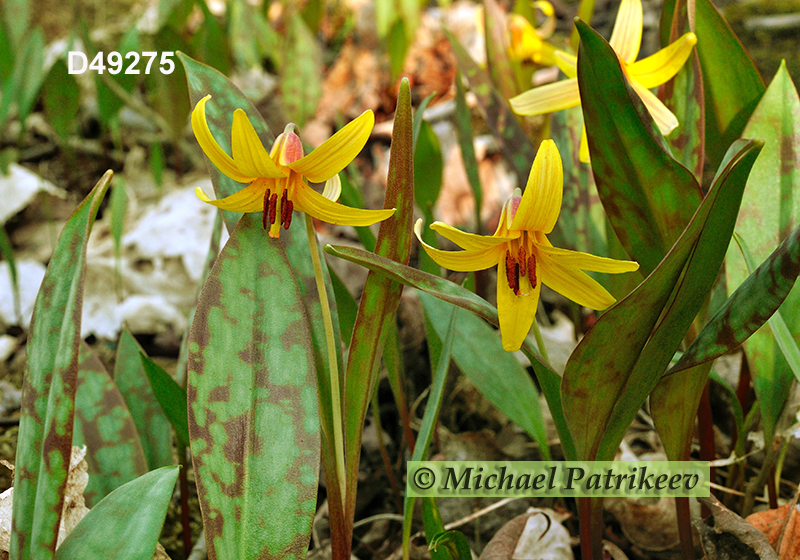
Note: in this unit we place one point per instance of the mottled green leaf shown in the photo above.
(452, 293)
(380, 297)
(49, 385)
(150, 420)
(770, 211)
(253, 416)
(641, 186)
(749, 307)
(497, 374)
(684, 96)
(126, 524)
(517, 148)
(622, 357)
(62, 99)
(731, 81)
(252, 39)
(171, 397)
(104, 425)
(463, 121)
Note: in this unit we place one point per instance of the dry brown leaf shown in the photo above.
(726, 536)
(536, 535)
(781, 526)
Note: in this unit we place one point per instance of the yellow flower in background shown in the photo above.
(275, 180)
(527, 42)
(524, 257)
(626, 38)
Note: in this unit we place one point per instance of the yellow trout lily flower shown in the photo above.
(626, 38)
(275, 180)
(524, 257)
(527, 42)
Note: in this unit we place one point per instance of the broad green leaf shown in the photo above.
(684, 96)
(301, 74)
(108, 102)
(397, 45)
(622, 357)
(517, 148)
(731, 81)
(168, 95)
(429, 419)
(150, 420)
(497, 374)
(16, 15)
(432, 522)
(749, 307)
(126, 524)
(62, 99)
(210, 42)
(428, 168)
(253, 412)
(6, 55)
(251, 37)
(455, 542)
(455, 294)
(104, 425)
(171, 397)
(49, 385)
(380, 297)
(641, 186)
(770, 211)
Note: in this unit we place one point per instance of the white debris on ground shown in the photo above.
(19, 188)
(164, 247)
(29, 277)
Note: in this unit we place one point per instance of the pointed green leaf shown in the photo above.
(770, 211)
(170, 396)
(641, 186)
(466, 142)
(381, 296)
(301, 81)
(253, 413)
(49, 385)
(684, 96)
(150, 420)
(622, 357)
(62, 99)
(126, 524)
(22, 87)
(104, 425)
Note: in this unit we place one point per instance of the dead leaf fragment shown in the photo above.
(536, 535)
(726, 536)
(781, 526)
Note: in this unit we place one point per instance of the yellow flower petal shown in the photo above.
(585, 261)
(249, 199)
(468, 241)
(336, 152)
(547, 99)
(248, 152)
(333, 188)
(314, 204)
(516, 312)
(626, 38)
(664, 118)
(663, 65)
(461, 261)
(541, 201)
(217, 155)
(568, 63)
(573, 284)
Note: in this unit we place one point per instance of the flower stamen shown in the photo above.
(512, 272)
(264, 221)
(273, 208)
(532, 270)
(286, 210)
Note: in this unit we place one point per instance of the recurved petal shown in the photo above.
(664, 118)
(461, 261)
(626, 38)
(663, 65)
(541, 201)
(583, 150)
(249, 199)
(568, 63)
(516, 312)
(314, 204)
(586, 261)
(333, 188)
(217, 155)
(573, 283)
(248, 151)
(547, 99)
(468, 241)
(336, 152)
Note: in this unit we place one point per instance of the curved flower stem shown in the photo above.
(336, 391)
(540, 341)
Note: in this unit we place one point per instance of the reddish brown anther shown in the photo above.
(523, 261)
(532, 270)
(512, 273)
(286, 213)
(264, 217)
(273, 208)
